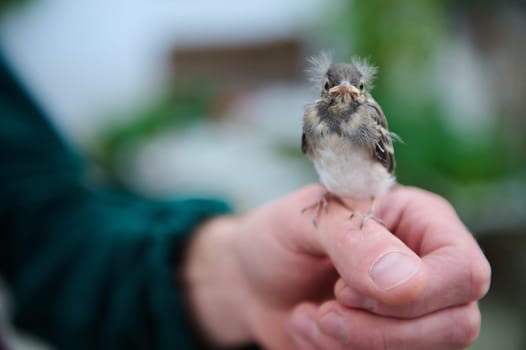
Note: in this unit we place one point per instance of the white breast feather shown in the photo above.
(350, 172)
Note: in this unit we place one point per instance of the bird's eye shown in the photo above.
(326, 86)
(361, 86)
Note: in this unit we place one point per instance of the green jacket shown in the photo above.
(88, 268)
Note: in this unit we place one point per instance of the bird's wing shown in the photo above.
(304, 144)
(383, 149)
(310, 118)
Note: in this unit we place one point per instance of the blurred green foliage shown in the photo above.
(7, 4)
(402, 38)
(388, 31)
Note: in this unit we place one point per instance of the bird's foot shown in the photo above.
(371, 216)
(321, 203)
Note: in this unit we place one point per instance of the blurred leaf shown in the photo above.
(9, 4)
(176, 110)
(386, 31)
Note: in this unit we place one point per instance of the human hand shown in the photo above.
(286, 270)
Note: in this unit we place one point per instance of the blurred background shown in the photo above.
(206, 98)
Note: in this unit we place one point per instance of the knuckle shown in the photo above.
(379, 340)
(480, 279)
(374, 339)
(443, 203)
(430, 196)
(466, 326)
(313, 190)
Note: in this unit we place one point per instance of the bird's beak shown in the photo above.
(345, 88)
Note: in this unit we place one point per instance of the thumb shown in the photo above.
(371, 260)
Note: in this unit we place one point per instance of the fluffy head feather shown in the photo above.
(367, 70)
(320, 64)
(318, 67)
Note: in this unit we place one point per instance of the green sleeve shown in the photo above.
(88, 268)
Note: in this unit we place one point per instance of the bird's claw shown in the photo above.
(322, 202)
(370, 215)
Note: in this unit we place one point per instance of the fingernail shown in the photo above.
(393, 269)
(333, 325)
(305, 327)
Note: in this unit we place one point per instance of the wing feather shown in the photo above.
(383, 149)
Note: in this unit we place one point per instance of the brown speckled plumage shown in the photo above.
(345, 131)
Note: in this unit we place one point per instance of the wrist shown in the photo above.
(216, 287)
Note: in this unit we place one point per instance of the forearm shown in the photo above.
(216, 288)
(99, 272)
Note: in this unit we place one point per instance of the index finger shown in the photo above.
(430, 226)
(423, 220)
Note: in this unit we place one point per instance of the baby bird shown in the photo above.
(345, 135)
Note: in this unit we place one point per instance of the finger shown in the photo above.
(371, 259)
(375, 262)
(458, 271)
(304, 330)
(452, 328)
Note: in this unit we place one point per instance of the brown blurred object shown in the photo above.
(239, 64)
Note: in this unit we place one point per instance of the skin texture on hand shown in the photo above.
(270, 276)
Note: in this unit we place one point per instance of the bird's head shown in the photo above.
(342, 84)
